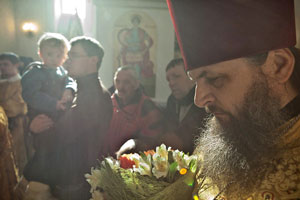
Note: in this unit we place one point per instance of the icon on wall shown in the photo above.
(135, 45)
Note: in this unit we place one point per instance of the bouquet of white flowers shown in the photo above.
(152, 175)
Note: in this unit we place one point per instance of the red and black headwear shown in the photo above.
(212, 31)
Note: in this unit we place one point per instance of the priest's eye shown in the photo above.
(217, 82)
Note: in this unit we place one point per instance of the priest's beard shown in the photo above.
(235, 151)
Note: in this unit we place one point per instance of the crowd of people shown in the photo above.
(62, 120)
(234, 104)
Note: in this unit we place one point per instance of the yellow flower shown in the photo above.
(93, 178)
(136, 158)
(160, 162)
(182, 159)
(144, 167)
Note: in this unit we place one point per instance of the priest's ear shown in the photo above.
(295, 77)
(279, 65)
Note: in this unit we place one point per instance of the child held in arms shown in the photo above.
(48, 92)
(47, 89)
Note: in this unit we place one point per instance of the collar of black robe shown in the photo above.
(293, 107)
(86, 80)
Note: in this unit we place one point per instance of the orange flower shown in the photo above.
(151, 152)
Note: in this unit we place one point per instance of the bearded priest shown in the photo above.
(242, 57)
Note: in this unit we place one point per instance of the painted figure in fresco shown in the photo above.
(135, 44)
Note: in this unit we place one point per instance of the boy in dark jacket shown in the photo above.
(47, 90)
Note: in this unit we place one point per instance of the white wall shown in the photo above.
(109, 12)
(7, 30)
(14, 12)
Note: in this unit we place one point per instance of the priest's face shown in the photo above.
(221, 87)
(245, 113)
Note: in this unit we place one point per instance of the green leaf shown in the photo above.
(172, 171)
(193, 165)
(143, 156)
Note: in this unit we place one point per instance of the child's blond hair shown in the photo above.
(53, 40)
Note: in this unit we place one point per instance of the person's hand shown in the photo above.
(130, 144)
(65, 101)
(67, 96)
(60, 105)
(40, 123)
(38, 190)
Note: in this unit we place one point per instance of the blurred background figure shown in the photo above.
(76, 139)
(48, 90)
(14, 106)
(184, 119)
(24, 62)
(10, 188)
(135, 115)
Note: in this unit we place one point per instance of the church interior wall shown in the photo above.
(100, 20)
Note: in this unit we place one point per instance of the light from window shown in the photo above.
(70, 7)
